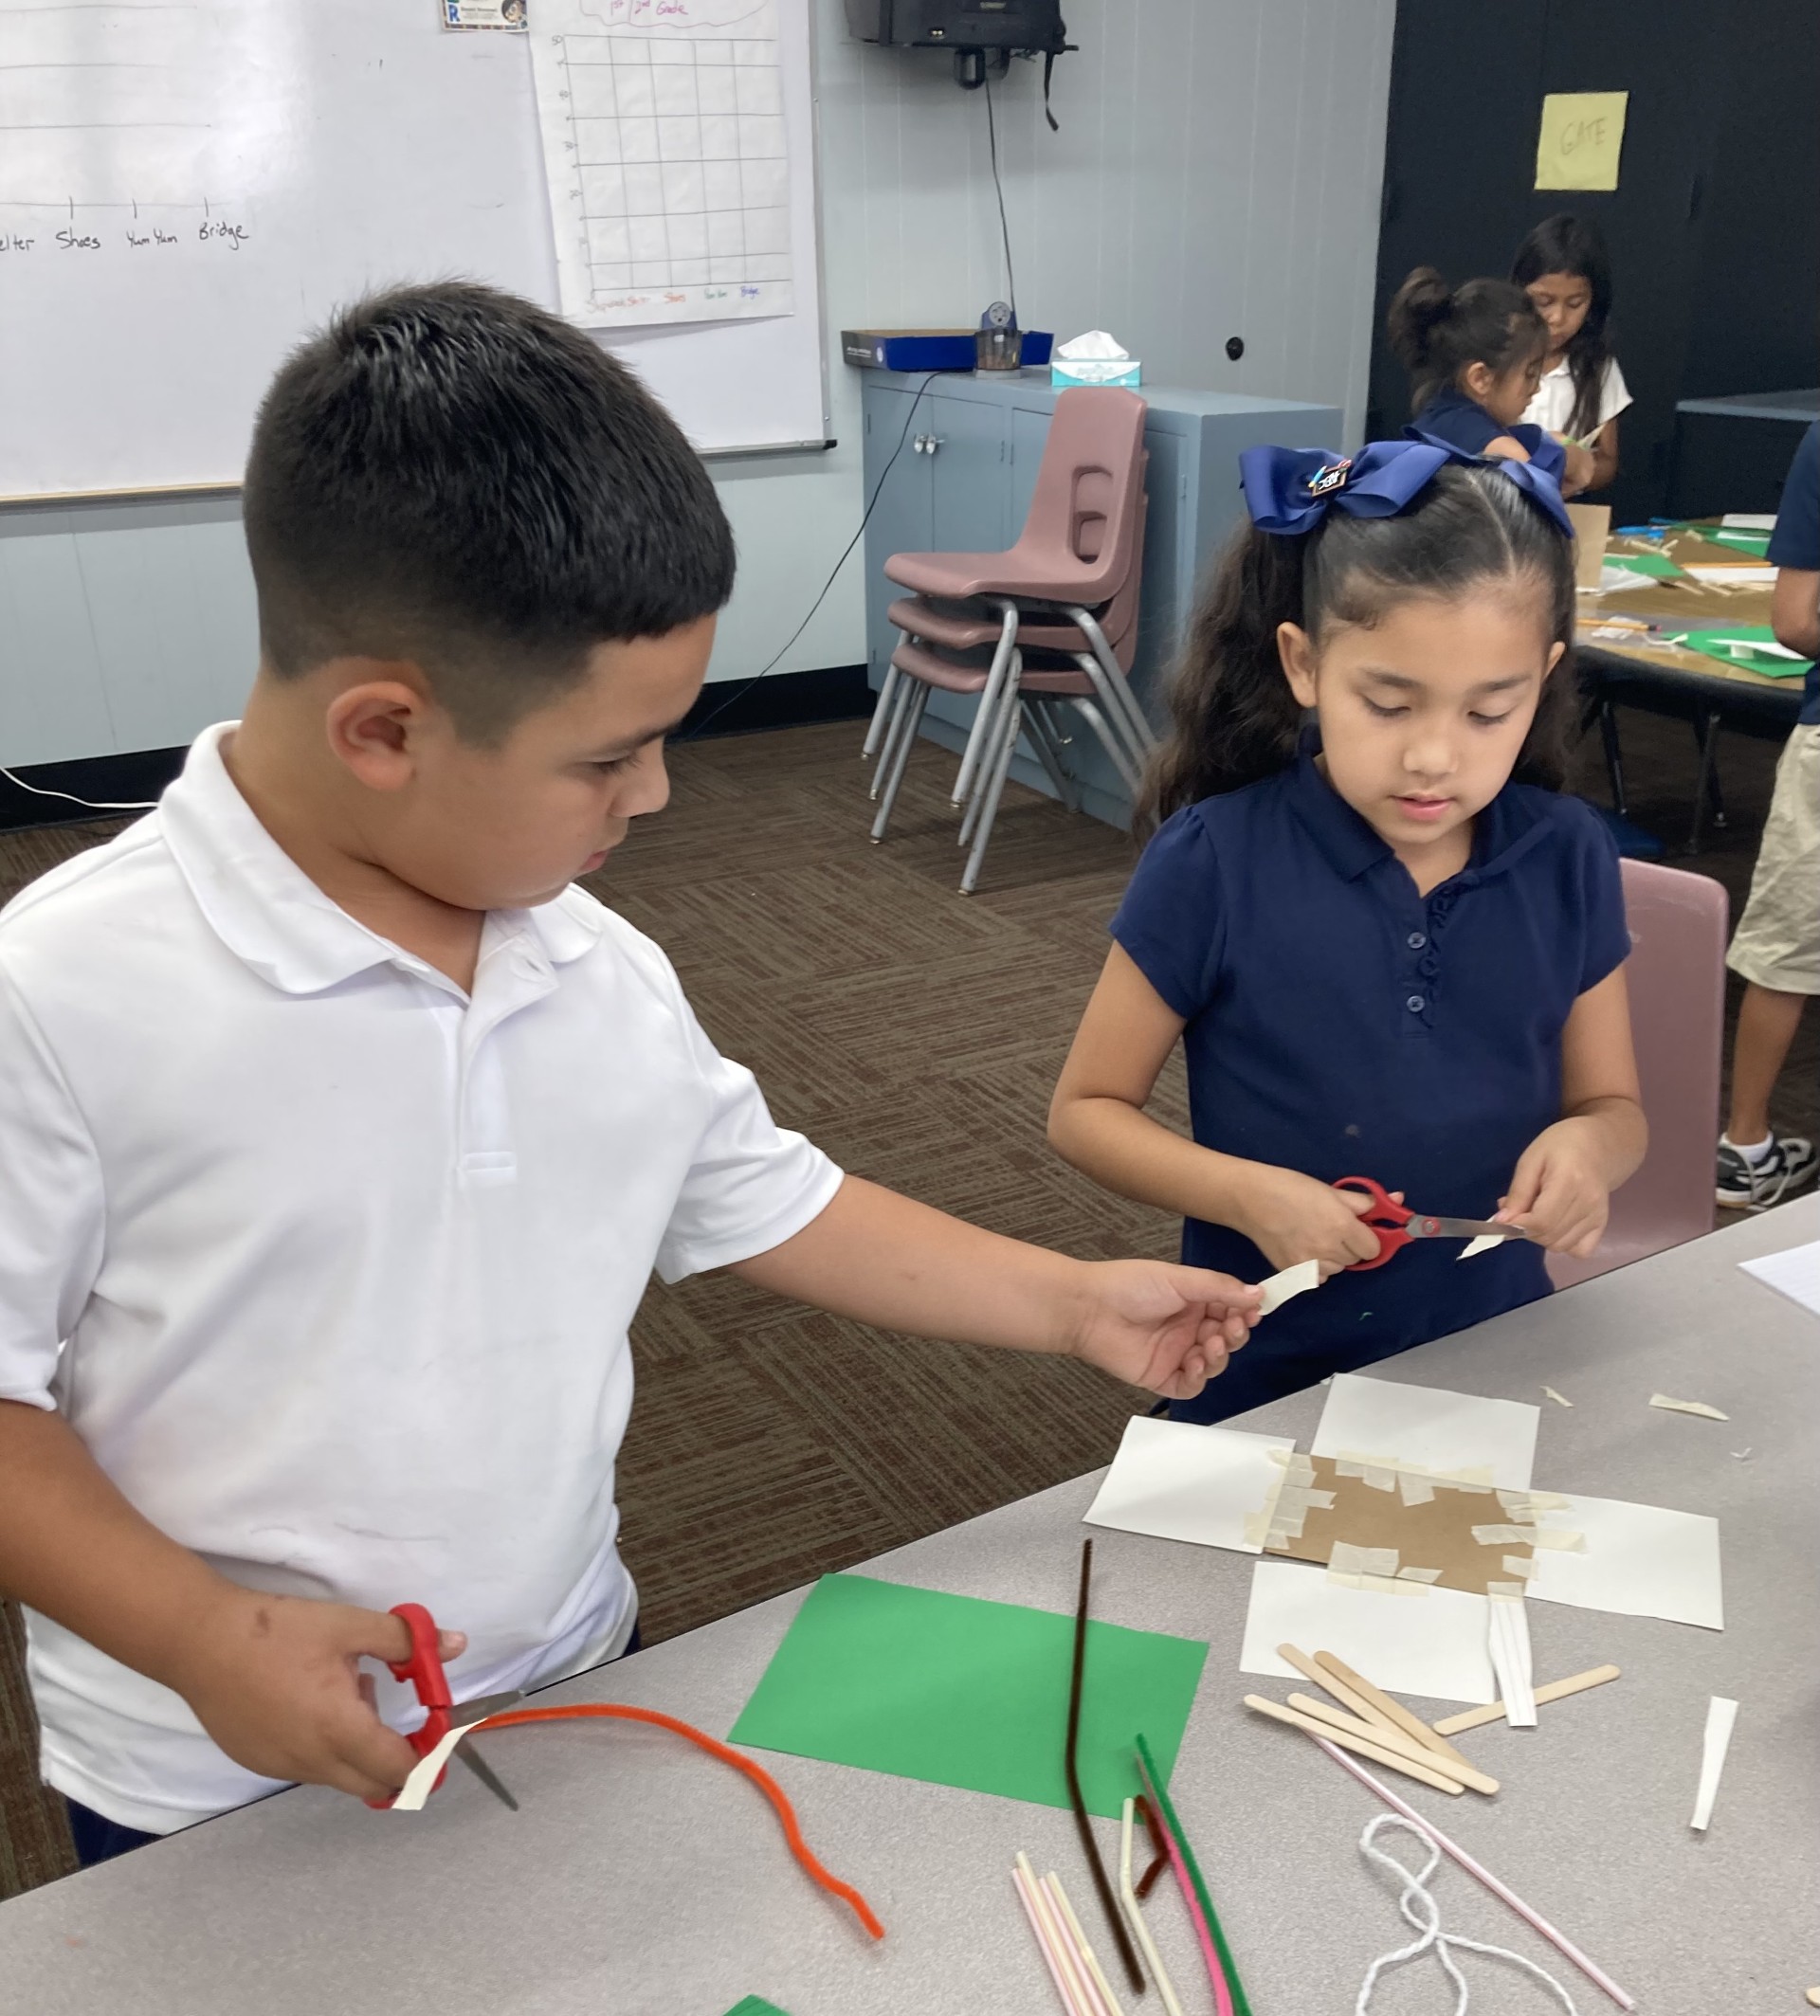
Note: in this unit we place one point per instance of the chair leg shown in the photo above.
(1040, 729)
(901, 756)
(1125, 709)
(992, 788)
(980, 736)
(900, 698)
(887, 688)
(1117, 716)
(1707, 788)
(992, 735)
(1613, 757)
(1111, 743)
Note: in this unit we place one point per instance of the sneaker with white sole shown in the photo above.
(1747, 1185)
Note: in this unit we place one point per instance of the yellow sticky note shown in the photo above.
(1581, 138)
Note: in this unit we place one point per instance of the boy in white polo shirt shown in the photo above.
(339, 1134)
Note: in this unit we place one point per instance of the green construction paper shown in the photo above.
(1713, 642)
(1658, 566)
(756, 2006)
(956, 1690)
(1757, 543)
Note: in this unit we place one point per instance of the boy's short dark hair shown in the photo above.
(451, 475)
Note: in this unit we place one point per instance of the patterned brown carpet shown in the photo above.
(917, 1036)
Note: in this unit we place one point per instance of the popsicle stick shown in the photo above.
(1135, 1918)
(1555, 1691)
(1051, 1959)
(1396, 1760)
(1336, 1718)
(1332, 1683)
(1412, 1726)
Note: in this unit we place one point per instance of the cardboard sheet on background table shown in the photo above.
(957, 1691)
(1437, 1535)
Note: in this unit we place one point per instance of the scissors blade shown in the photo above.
(485, 1772)
(1420, 1227)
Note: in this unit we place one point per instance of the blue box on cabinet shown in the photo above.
(968, 484)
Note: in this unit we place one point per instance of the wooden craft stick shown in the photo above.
(1468, 1774)
(1412, 1726)
(1378, 1752)
(1555, 1691)
(1332, 1683)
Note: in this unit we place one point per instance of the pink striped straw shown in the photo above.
(1558, 1939)
(1216, 1973)
(1051, 1959)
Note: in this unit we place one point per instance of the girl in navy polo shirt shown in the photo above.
(1388, 945)
(1475, 355)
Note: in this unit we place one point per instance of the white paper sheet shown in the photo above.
(1178, 1480)
(1640, 1561)
(1513, 1664)
(1745, 574)
(1795, 1272)
(1435, 1645)
(1429, 1429)
(1750, 520)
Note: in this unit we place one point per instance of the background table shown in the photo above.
(1670, 679)
(640, 1879)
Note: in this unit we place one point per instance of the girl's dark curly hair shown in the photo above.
(1233, 718)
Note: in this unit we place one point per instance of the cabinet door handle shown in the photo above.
(935, 440)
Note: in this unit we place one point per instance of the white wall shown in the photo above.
(1217, 174)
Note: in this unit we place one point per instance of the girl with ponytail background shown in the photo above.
(1389, 945)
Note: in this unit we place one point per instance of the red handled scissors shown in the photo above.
(1397, 1224)
(424, 1670)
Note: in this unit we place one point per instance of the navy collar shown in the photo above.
(1502, 833)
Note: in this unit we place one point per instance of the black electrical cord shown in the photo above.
(1003, 228)
(740, 692)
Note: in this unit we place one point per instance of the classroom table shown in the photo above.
(1663, 678)
(641, 1879)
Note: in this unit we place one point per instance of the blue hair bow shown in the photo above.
(1292, 490)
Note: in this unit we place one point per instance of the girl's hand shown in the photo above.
(1577, 475)
(1290, 1217)
(1558, 1192)
(1163, 1327)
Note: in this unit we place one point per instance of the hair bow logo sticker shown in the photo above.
(1329, 477)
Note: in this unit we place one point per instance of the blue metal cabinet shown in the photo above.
(966, 451)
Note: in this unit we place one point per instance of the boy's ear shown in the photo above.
(375, 725)
(1296, 648)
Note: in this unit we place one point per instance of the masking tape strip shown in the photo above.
(1560, 1399)
(1547, 1501)
(1560, 1541)
(1380, 1584)
(426, 1771)
(1505, 1590)
(1418, 1574)
(1291, 1281)
(1377, 1477)
(1521, 1566)
(1501, 1535)
(1687, 1407)
(1415, 1490)
(1362, 1560)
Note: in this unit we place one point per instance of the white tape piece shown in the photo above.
(1483, 1243)
(429, 1767)
(1415, 1490)
(1687, 1407)
(1298, 1279)
(1377, 1477)
(1559, 1540)
(1521, 1566)
(1560, 1399)
(1501, 1536)
(1418, 1574)
(1512, 1660)
(1720, 1715)
(1350, 1560)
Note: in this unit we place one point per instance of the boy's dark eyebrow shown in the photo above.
(628, 742)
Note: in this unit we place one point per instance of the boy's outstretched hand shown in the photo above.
(276, 1682)
(1167, 1328)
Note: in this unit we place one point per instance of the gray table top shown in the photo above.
(1803, 405)
(641, 1878)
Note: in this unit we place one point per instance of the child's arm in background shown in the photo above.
(1604, 451)
(892, 1261)
(1097, 1122)
(1561, 1191)
(272, 1678)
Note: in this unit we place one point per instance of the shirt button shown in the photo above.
(1418, 939)
(1415, 1004)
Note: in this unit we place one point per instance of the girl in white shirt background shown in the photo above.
(1563, 268)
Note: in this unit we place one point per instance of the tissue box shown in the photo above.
(1094, 370)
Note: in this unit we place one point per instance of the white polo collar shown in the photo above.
(275, 919)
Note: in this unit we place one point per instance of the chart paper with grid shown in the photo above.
(667, 161)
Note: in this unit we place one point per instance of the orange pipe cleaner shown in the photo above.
(762, 1779)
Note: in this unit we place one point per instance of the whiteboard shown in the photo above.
(187, 188)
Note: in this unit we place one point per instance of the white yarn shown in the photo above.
(1420, 1910)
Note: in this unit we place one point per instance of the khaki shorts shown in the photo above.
(1777, 942)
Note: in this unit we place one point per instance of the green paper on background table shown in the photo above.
(1755, 543)
(957, 1691)
(1770, 664)
(756, 2006)
(1658, 566)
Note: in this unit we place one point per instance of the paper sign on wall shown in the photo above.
(1581, 138)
